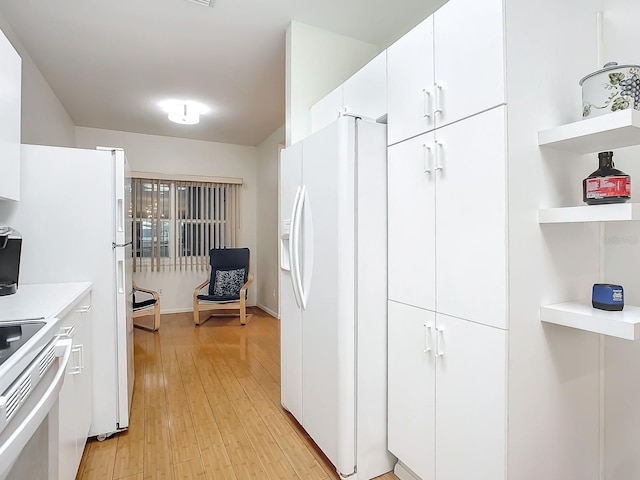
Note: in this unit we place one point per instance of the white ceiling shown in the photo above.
(111, 62)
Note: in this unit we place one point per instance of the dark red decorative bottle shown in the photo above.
(607, 184)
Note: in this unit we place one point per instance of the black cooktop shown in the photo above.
(15, 334)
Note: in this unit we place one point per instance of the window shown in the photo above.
(176, 222)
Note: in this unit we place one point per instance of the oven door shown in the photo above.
(29, 442)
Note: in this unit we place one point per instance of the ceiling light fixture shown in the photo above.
(185, 113)
(206, 3)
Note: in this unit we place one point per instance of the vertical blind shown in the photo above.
(176, 223)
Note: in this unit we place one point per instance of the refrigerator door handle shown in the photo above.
(293, 247)
(295, 250)
(307, 252)
(120, 276)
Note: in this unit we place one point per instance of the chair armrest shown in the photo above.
(200, 287)
(246, 285)
(150, 292)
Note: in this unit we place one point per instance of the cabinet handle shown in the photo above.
(439, 334)
(67, 331)
(426, 155)
(438, 94)
(77, 369)
(439, 148)
(84, 309)
(81, 347)
(427, 346)
(426, 108)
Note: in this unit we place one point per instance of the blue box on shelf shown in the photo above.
(605, 296)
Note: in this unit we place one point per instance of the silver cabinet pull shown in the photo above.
(426, 108)
(439, 148)
(427, 346)
(426, 154)
(78, 360)
(439, 335)
(438, 108)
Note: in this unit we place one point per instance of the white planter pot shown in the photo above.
(615, 87)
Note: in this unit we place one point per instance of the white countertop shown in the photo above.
(41, 300)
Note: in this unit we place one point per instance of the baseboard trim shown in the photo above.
(268, 310)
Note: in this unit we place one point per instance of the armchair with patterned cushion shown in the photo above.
(228, 283)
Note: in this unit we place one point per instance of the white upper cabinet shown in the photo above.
(471, 225)
(449, 67)
(365, 93)
(411, 234)
(410, 80)
(444, 186)
(10, 93)
(469, 59)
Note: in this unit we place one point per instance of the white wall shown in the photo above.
(317, 61)
(621, 38)
(44, 119)
(267, 228)
(554, 394)
(150, 153)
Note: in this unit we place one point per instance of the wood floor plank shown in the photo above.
(271, 457)
(259, 398)
(129, 457)
(215, 458)
(244, 458)
(157, 447)
(189, 470)
(100, 461)
(299, 456)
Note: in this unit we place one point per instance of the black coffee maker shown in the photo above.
(10, 247)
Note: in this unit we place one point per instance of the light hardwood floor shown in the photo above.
(206, 405)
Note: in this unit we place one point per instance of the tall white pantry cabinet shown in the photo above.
(479, 388)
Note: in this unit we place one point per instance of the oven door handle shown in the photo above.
(11, 448)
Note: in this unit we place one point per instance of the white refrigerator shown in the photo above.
(75, 221)
(333, 274)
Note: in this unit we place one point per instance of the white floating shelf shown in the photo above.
(581, 315)
(617, 212)
(597, 134)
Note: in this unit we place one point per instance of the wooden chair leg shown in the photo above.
(243, 311)
(196, 312)
(156, 319)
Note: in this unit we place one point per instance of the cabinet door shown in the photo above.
(470, 400)
(327, 110)
(469, 58)
(83, 380)
(411, 388)
(67, 428)
(411, 224)
(410, 81)
(471, 196)
(365, 93)
(10, 98)
(68, 402)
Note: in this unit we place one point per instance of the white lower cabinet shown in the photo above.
(412, 383)
(447, 395)
(75, 398)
